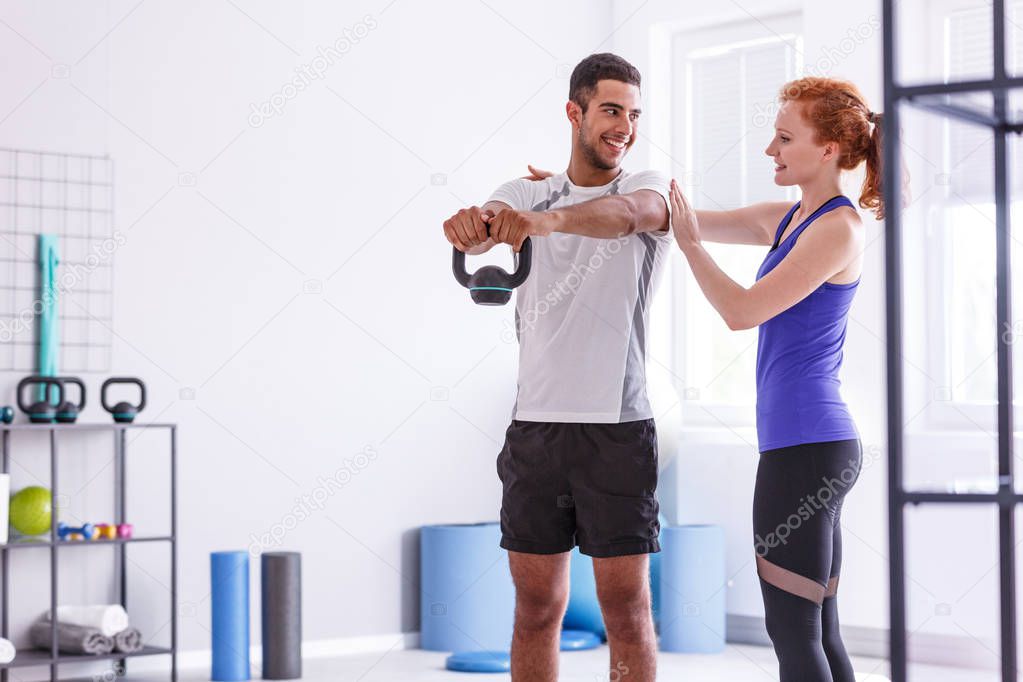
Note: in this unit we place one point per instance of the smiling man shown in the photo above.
(579, 463)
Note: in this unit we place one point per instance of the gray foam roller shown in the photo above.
(281, 587)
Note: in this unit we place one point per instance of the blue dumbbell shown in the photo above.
(64, 531)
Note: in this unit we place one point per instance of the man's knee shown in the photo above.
(627, 614)
(540, 608)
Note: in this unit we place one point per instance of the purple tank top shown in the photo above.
(799, 354)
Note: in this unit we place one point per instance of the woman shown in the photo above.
(810, 453)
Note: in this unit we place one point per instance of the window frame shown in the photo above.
(702, 42)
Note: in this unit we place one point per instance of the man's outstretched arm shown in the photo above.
(607, 217)
(613, 216)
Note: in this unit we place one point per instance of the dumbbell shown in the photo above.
(108, 531)
(86, 531)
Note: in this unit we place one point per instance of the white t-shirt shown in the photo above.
(581, 316)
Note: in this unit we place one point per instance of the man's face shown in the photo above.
(608, 128)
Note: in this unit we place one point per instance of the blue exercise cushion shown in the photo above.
(578, 640)
(693, 577)
(480, 662)
(467, 598)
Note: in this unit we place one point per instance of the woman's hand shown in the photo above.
(537, 174)
(683, 219)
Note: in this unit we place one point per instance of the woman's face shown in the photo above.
(798, 158)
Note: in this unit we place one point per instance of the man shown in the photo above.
(579, 463)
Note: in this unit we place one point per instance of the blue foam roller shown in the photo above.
(467, 599)
(577, 640)
(693, 578)
(229, 600)
(480, 662)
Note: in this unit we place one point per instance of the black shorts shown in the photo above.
(586, 484)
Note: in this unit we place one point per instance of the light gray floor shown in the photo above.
(737, 664)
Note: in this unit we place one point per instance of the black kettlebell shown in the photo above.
(41, 411)
(491, 284)
(67, 411)
(123, 412)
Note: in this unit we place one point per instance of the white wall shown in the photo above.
(386, 352)
(254, 275)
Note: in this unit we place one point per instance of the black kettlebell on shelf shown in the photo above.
(491, 284)
(123, 412)
(67, 411)
(41, 411)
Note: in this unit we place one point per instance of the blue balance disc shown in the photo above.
(480, 662)
(577, 640)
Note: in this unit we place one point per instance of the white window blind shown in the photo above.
(732, 103)
(730, 82)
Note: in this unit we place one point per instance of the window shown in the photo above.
(726, 84)
(960, 252)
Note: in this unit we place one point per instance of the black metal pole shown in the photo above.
(4, 623)
(1003, 279)
(893, 320)
(54, 653)
(174, 550)
(122, 562)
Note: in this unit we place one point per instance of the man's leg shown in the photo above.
(623, 589)
(541, 595)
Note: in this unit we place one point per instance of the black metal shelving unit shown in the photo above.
(53, 658)
(950, 100)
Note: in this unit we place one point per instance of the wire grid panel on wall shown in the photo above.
(71, 196)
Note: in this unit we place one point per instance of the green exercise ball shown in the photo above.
(30, 510)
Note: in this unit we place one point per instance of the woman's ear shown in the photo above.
(830, 150)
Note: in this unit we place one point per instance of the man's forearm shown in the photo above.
(612, 216)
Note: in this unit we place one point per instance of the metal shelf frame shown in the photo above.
(53, 658)
(935, 97)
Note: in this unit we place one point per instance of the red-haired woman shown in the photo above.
(810, 453)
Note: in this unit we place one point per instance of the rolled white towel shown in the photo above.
(107, 618)
(7, 651)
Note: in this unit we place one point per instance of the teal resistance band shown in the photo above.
(49, 322)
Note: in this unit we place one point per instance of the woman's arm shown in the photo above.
(754, 224)
(818, 255)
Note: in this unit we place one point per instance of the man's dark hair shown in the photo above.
(598, 67)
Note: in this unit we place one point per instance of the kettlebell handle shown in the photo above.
(523, 264)
(123, 380)
(81, 390)
(37, 379)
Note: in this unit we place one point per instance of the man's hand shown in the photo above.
(512, 227)
(536, 174)
(468, 227)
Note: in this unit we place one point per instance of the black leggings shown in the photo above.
(797, 506)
